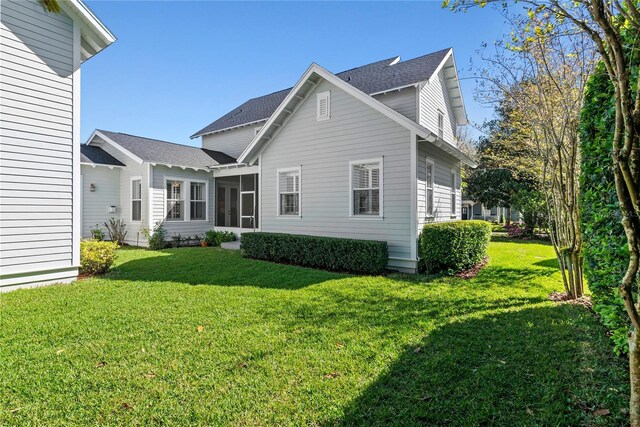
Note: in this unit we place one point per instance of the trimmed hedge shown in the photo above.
(605, 248)
(329, 253)
(96, 256)
(215, 238)
(454, 246)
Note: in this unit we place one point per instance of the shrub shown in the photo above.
(117, 230)
(96, 257)
(605, 247)
(157, 239)
(330, 253)
(97, 233)
(517, 231)
(215, 238)
(454, 246)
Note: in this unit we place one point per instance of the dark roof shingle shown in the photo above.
(169, 153)
(371, 78)
(97, 156)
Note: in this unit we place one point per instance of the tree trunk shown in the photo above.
(634, 374)
(509, 215)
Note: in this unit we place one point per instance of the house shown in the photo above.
(146, 181)
(368, 153)
(40, 57)
(476, 210)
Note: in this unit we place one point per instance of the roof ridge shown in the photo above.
(151, 139)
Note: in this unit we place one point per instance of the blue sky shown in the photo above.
(179, 65)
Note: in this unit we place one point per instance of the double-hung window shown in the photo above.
(429, 172)
(366, 188)
(198, 201)
(175, 200)
(136, 199)
(454, 183)
(289, 192)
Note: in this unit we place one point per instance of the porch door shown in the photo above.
(227, 202)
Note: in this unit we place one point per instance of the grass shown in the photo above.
(282, 345)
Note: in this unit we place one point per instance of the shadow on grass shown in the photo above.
(214, 266)
(548, 263)
(533, 366)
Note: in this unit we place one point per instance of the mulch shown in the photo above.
(472, 272)
(564, 298)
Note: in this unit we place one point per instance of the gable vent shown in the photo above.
(324, 105)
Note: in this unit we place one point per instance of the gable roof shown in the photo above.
(151, 150)
(372, 79)
(94, 35)
(309, 80)
(97, 156)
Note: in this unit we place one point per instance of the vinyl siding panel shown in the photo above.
(232, 142)
(434, 96)
(183, 228)
(443, 163)
(404, 101)
(95, 205)
(123, 209)
(36, 148)
(323, 150)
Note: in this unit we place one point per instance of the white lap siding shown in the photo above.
(184, 228)
(403, 101)
(231, 142)
(37, 241)
(323, 150)
(434, 97)
(95, 204)
(443, 164)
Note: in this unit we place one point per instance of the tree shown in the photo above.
(507, 163)
(51, 6)
(607, 23)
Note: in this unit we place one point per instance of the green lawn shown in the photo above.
(282, 345)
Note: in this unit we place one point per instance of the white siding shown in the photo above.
(183, 228)
(232, 142)
(404, 101)
(123, 208)
(37, 144)
(434, 96)
(323, 149)
(443, 163)
(95, 205)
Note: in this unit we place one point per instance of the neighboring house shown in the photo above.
(40, 57)
(146, 181)
(368, 153)
(476, 210)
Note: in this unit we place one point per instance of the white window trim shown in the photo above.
(186, 198)
(319, 97)
(454, 193)
(440, 129)
(429, 161)
(283, 170)
(165, 199)
(206, 200)
(380, 215)
(131, 199)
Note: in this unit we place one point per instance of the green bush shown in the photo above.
(215, 238)
(158, 239)
(96, 256)
(330, 253)
(454, 246)
(605, 247)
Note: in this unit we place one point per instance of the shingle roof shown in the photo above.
(371, 78)
(169, 153)
(97, 156)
